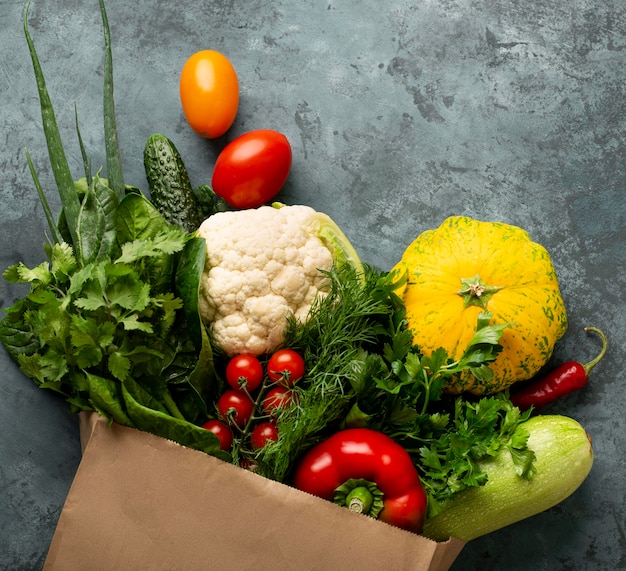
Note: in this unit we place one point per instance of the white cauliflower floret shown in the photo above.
(263, 265)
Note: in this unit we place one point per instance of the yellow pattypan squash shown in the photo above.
(466, 267)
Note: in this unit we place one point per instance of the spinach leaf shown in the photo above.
(202, 380)
(138, 219)
(17, 336)
(181, 431)
(107, 399)
(188, 276)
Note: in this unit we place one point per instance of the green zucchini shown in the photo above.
(170, 189)
(564, 457)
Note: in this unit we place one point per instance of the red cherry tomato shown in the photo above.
(248, 464)
(235, 407)
(252, 169)
(278, 398)
(209, 93)
(262, 434)
(285, 367)
(244, 370)
(222, 431)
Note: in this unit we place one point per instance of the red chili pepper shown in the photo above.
(368, 472)
(565, 379)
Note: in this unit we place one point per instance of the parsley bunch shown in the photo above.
(103, 318)
(450, 457)
(403, 395)
(110, 321)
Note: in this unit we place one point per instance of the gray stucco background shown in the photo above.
(400, 113)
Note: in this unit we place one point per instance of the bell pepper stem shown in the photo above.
(359, 500)
(360, 496)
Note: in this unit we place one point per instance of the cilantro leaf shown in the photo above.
(63, 262)
(167, 242)
(128, 292)
(119, 365)
(20, 273)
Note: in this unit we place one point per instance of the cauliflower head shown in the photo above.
(263, 265)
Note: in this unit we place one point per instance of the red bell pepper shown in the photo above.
(367, 472)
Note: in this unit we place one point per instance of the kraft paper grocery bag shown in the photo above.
(142, 502)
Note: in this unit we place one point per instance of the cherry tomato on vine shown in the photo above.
(252, 169)
(262, 434)
(278, 398)
(248, 464)
(222, 431)
(285, 367)
(244, 370)
(235, 407)
(209, 93)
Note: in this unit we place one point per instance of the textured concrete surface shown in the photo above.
(400, 113)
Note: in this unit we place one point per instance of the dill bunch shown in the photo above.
(352, 321)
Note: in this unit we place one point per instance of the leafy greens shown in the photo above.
(102, 325)
(365, 371)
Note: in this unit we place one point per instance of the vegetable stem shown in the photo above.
(247, 428)
(475, 292)
(169, 403)
(591, 364)
(359, 500)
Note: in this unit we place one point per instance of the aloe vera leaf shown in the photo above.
(83, 151)
(44, 201)
(113, 155)
(58, 160)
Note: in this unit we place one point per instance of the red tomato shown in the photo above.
(236, 407)
(209, 93)
(252, 169)
(277, 398)
(223, 432)
(262, 434)
(244, 370)
(285, 367)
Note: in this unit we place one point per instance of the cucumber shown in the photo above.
(564, 457)
(170, 188)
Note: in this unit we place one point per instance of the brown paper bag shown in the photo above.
(142, 502)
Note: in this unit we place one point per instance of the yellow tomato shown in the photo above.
(209, 93)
